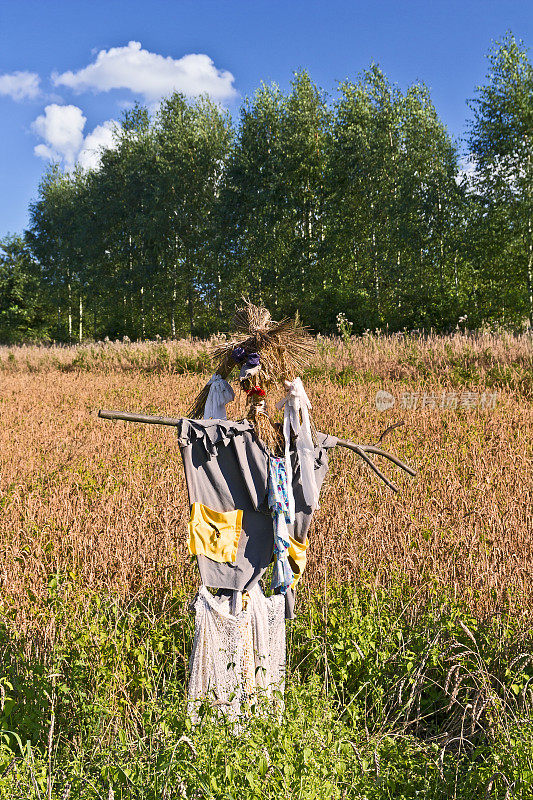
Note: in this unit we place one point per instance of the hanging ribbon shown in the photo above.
(297, 403)
(220, 393)
(279, 493)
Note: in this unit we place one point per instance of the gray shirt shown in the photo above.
(226, 468)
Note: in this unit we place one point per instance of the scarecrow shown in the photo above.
(253, 487)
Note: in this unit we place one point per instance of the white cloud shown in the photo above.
(43, 151)
(20, 85)
(100, 139)
(150, 74)
(62, 127)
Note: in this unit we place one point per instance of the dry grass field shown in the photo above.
(410, 666)
(106, 503)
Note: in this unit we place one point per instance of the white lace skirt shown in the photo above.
(237, 660)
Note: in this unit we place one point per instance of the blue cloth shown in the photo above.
(278, 502)
(239, 354)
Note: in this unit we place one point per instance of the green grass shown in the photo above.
(388, 696)
(488, 360)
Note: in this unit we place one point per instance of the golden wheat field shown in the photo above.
(106, 503)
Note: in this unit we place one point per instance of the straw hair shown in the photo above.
(285, 349)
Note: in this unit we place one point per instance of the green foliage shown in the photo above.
(502, 149)
(391, 203)
(354, 207)
(382, 701)
(22, 312)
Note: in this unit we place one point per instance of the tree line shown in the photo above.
(361, 205)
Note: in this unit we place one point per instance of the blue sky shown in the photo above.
(67, 68)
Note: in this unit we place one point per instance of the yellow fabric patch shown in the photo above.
(214, 534)
(297, 557)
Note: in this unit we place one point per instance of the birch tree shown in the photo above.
(501, 146)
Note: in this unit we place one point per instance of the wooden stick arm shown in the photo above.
(127, 417)
(370, 448)
(363, 449)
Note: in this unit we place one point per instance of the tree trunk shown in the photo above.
(69, 311)
(143, 325)
(190, 296)
(530, 260)
(441, 248)
(530, 275)
(173, 312)
(400, 282)
(377, 288)
(130, 327)
(219, 299)
(174, 289)
(80, 337)
(190, 303)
